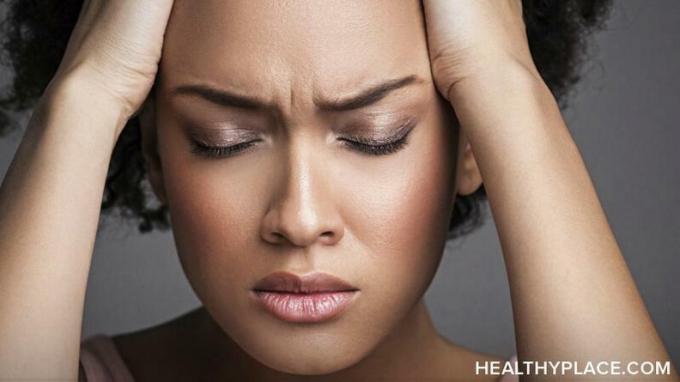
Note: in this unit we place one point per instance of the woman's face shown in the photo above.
(299, 197)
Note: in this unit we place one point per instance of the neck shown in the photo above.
(413, 349)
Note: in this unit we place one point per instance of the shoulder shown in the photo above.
(150, 352)
(464, 362)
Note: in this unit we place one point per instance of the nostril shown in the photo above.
(329, 237)
(274, 237)
(278, 237)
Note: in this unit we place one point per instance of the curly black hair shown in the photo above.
(35, 34)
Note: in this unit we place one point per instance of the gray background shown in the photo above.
(624, 117)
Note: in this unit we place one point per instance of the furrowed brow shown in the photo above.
(223, 97)
(368, 96)
(364, 98)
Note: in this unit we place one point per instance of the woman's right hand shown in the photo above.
(115, 48)
(51, 195)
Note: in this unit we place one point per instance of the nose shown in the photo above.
(303, 210)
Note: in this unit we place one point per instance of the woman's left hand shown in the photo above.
(468, 37)
(573, 297)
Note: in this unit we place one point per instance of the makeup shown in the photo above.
(314, 297)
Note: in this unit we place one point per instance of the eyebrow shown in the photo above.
(368, 96)
(363, 98)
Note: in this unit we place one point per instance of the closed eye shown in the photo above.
(381, 146)
(363, 145)
(220, 151)
(373, 147)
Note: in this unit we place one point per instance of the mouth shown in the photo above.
(314, 297)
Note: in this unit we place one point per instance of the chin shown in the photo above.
(306, 350)
(318, 361)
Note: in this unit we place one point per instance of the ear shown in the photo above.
(154, 170)
(468, 177)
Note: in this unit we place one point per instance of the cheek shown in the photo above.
(215, 208)
(407, 209)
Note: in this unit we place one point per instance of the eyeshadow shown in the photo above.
(220, 136)
(380, 128)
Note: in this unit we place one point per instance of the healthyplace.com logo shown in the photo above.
(515, 367)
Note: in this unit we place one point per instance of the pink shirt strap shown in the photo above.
(101, 362)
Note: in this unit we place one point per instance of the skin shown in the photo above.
(312, 202)
(572, 294)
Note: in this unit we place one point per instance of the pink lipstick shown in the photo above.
(314, 297)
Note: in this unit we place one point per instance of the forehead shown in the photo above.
(270, 46)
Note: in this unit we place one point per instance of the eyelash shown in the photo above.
(220, 151)
(363, 145)
(371, 147)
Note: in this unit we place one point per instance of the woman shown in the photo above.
(312, 168)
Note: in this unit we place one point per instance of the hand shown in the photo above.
(115, 49)
(468, 37)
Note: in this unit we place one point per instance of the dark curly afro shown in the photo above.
(35, 34)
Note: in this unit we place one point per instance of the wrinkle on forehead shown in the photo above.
(286, 51)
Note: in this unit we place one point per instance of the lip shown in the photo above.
(313, 297)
